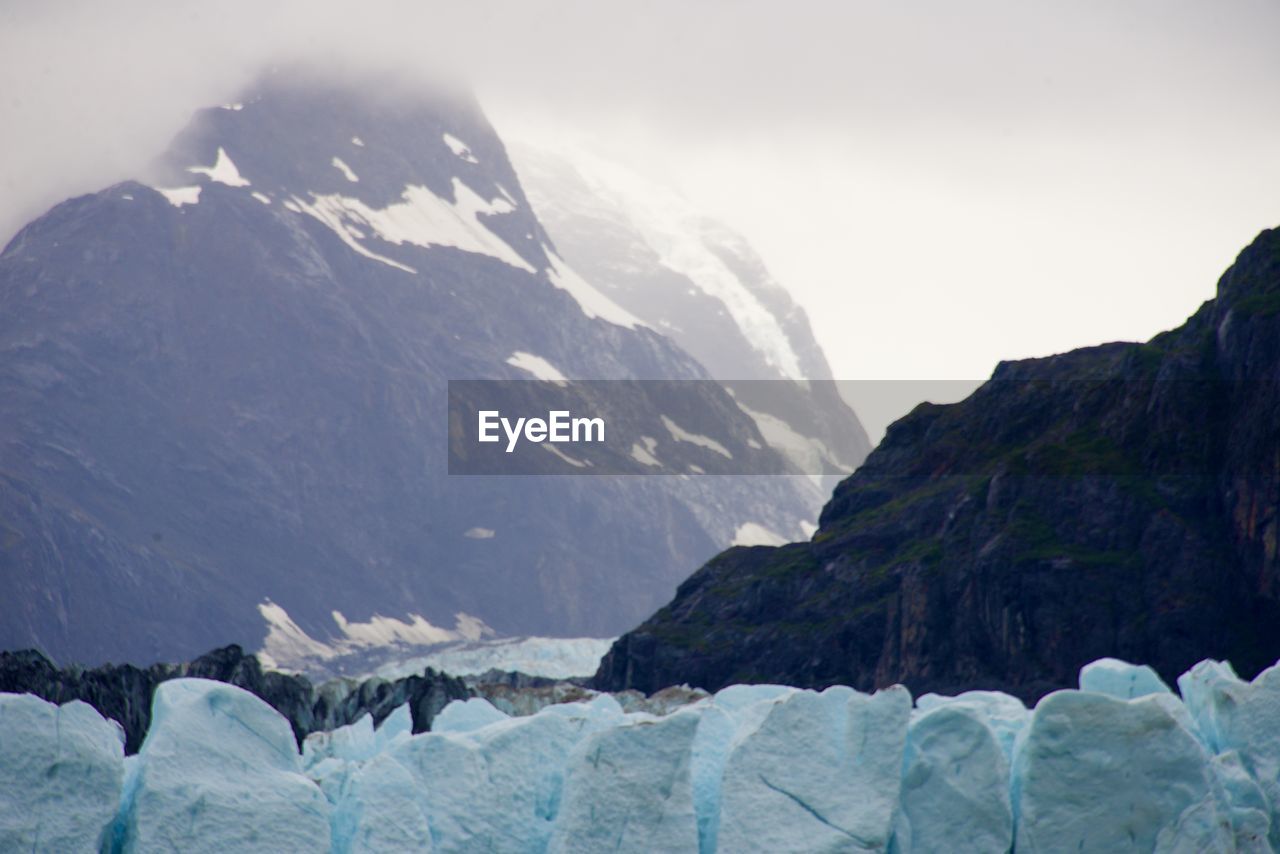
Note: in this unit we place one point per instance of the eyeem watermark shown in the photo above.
(648, 427)
(558, 427)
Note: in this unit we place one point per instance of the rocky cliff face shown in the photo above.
(224, 400)
(124, 692)
(1118, 500)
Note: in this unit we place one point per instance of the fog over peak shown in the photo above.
(940, 185)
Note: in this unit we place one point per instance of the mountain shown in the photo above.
(698, 281)
(225, 400)
(1118, 500)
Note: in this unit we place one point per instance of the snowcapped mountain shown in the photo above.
(224, 398)
(696, 280)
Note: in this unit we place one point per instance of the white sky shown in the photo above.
(940, 184)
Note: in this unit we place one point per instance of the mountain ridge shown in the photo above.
(699, 282)
(1119, 500)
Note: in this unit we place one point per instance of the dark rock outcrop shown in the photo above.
(123, 692)
(1118, 500)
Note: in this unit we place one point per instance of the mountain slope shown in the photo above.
(701, 283)
(1119, 500)
(224, 399)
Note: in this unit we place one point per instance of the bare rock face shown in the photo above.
(1119, 500)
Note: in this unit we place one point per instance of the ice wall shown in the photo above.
(1125, 764)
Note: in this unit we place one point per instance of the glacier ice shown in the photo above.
(1243, 717)
(955, 784)
(379, 810)
(61, 773)
(628, 789)
(331, 758)
(1124, 763)
(466, 715)
(552, 657)
(219, 771)
(397, 725)
(820, 772)
(1097, 773)
(1004, 714)
(352, 742)
(1250, 815)
(707, 756)
(1120, 679)
(495, 788)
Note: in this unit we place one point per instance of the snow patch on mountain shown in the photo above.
(536, 365)
(332, 211)
(289, 647)
(502, 191)
(460, 148)
(386, 631)
(478, 533)
(421, 218)
(592, 302)
(681, 435)
(341, 166)
(755, 534)
(644, 453)
(808, 454)
(223, 171)
(179, 196)
(573, 461)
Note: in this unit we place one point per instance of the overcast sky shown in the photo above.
(940, 184)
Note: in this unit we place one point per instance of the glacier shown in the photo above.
(219, 770)
(61, 775)
(1124, 763)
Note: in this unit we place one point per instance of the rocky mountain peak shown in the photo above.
(378, 162)
(1252, 284)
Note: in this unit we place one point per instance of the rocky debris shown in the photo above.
(124, 692)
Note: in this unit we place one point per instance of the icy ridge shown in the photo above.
(1122, 764)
